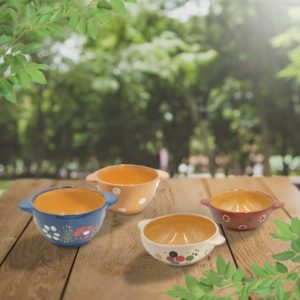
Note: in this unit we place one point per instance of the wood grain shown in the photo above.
(116, 266)
(34, 268)
(256, 246)
(12, 220)
(283, 190)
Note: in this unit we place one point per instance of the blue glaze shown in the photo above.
(68, 230)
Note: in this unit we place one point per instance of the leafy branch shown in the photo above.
(267, 282)
(24, 26)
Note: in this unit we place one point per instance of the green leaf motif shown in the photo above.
(30, 48)
(238, 276)
(6, 89)
(36, 76)
(229, 271)
(280, 292)
(281, 268)
(193, 286)
(4, 39)
(284, 255)
(258, 271)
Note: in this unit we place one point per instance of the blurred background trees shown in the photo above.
(217, 85)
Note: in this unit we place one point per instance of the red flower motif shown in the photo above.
(83, 232)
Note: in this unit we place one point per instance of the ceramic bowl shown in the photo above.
(68, 216)
(134, 185)
(241, 209)
(180, 239)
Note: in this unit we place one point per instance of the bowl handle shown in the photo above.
(92, 177)
(26, 205)
(217, 240)
(141, 224)
(110, 199)
(206, 202)
(162, 174)
(277, 204)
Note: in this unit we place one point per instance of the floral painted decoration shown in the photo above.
(83, 232)
(51, 232)
(176, 259)
(243, 227)
(262, 218)
(226, 218)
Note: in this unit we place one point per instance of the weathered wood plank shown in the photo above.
(255, 246)
(12, 220)
(35, 268)
(283, 190)
(116, 266)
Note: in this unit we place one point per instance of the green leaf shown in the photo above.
(258, 271)
(295, 226)
(221, 265)
(205, 287)
(103, 4)
(283, 228)
(280, 292)
(119, 7)
(264, 291)
(238, 275)
(82, 25)
(30, 48)
(284, 255)
(296, 259)
(229, 271)
(193, 286)
(287, 295)
(292, 276)
(297, 290)
(3, 67)
(6, 89)
(269, 269)
(281, 268)
(92, 29)
(277, 236)
(24, 79)
(36, 76)
(131, 1)
(174, 294)
(5, 39)
(73, 21)
(296, 245)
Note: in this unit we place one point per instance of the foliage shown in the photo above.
(25, 27)
(269, 281)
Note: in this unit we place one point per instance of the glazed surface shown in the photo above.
(179, 230)
(126, 175)
(69, 201)
(242, 201)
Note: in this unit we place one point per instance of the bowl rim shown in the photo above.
(217, 231)
(66, 216)
(124, 184)
(242, 212)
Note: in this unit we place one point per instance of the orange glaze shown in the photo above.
(68, 201)
(179, 230)
(242, 201)
(126, 175)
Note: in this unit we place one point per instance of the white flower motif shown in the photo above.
(243, 227)
(142, 201)
(50, 232)
(262, 218)
(116, 191)
(226, 218)
(86, 232)
(121, 209)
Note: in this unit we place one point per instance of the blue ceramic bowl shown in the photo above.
(68, 230)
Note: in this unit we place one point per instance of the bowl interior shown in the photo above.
(179, 229)
(126, 174)
(68, 201)
(242, 201)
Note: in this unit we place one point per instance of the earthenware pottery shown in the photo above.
(68, 216)
(180, 239)
(241, 209)
(134, 185)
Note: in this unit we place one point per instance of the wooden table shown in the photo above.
(114, 265)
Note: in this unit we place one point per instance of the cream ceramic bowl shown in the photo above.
(180, 239)
(133, 185)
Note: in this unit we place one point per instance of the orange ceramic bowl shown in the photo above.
(241, 209)
(134, 185)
